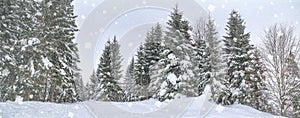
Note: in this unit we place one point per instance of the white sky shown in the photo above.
(131, 24)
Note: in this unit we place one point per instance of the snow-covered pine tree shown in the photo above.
(79, 87)
(63, 52)
(179, 74)
(203, 71)
(254, 82)
(142, 77)
(116, 59)
(236, 49)
(107, 89)
(214, 55)
(293, 73)
(152, 50)
(129, 82)
(15, 63)
(91, 87)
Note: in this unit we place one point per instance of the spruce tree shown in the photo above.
(57, 33)
(254, 82)
(213, 53)
(116, 59)
(129, 81)
(236, 49)
(91, 87)
(16, 49)
(142, 78)
(107, 89)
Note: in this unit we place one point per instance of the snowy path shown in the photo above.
(179, 108)
(108, 110)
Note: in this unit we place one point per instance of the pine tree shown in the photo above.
(91, 87)
(129, 81)
(107, 89)
(15, 63)
(214, 66)
(142, 77)
(116, 59)
(79, 87)
(236, 49)
(254, 82)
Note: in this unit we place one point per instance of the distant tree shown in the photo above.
(129, 81)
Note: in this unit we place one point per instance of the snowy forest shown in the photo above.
(39, 57)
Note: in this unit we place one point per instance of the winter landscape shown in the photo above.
(183, 65)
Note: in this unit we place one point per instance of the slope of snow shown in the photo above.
(197, 107)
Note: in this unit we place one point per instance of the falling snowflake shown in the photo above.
(260, 7)
(235, 39)
(116, 22)
(83, 17)
(211, 8)
(223, 6)
(144, 2)
(279, 34)
(85, 2)
(275, 15)
(104, 11)
(219, 108)
(272, 3)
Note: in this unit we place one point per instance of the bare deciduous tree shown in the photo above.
(281, 53)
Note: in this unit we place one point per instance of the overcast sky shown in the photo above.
(129, 20)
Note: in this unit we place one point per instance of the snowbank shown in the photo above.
(197, 107)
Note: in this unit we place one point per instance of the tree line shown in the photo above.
(180, 60)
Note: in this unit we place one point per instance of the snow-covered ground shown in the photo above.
(149, 108)
(197, 107)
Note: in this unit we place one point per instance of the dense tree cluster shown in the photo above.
(38, 56)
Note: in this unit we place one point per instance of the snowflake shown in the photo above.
(260, 7)
(125, 15)
(235, 39)
(272, 3)
(211, 8)
(2, 17)
(116, 22)
(297, 22)
(292, 7)
(104, 11)
(275, 15)
(234, 15)
(85, 2)
(219, 108)
(93, 5)
(70, 114)
(223, 6)
(30, 96)
(83, 17)
(279, 33)
(144, 2)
